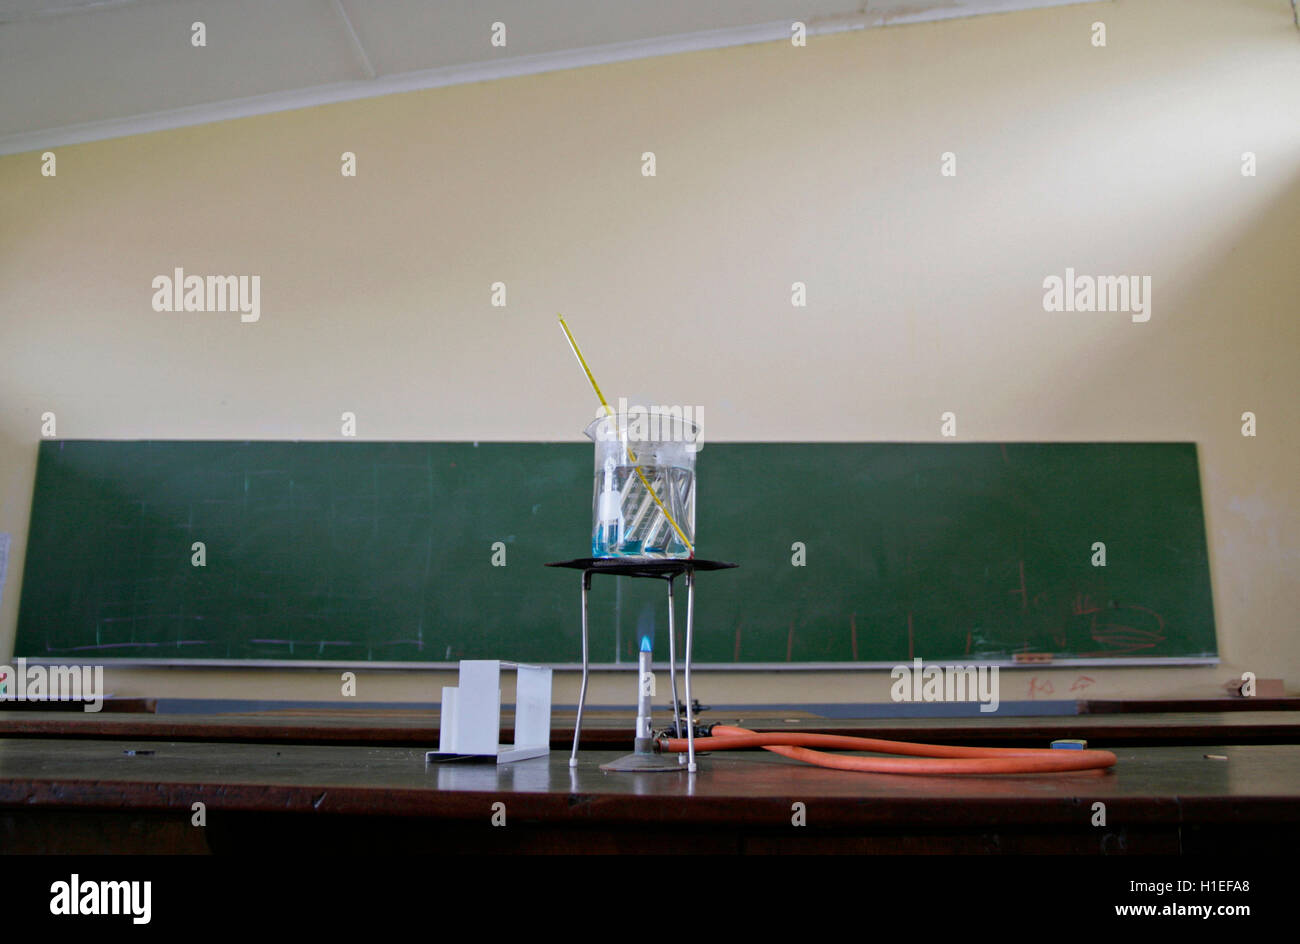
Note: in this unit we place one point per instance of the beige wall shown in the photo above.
(775, 164)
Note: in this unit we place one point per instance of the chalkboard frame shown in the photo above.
(1208, 657)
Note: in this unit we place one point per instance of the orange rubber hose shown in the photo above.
(925, 758)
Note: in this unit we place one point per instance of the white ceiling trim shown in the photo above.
(488, 71)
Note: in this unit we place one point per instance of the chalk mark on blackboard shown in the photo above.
(1023, 591)
(1120, 638)
(101, 645)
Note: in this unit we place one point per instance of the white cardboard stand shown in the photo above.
(471, 713)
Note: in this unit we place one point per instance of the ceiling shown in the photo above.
(81, 70)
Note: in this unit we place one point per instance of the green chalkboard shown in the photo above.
(393, 552)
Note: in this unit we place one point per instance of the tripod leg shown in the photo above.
(582, 693)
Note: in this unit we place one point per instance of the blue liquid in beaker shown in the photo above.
(630, 523)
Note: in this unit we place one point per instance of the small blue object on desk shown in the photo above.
(1070, 744)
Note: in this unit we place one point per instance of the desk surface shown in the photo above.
(1166, 782)
(1157, 799)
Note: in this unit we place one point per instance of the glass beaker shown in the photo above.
(643, 504)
